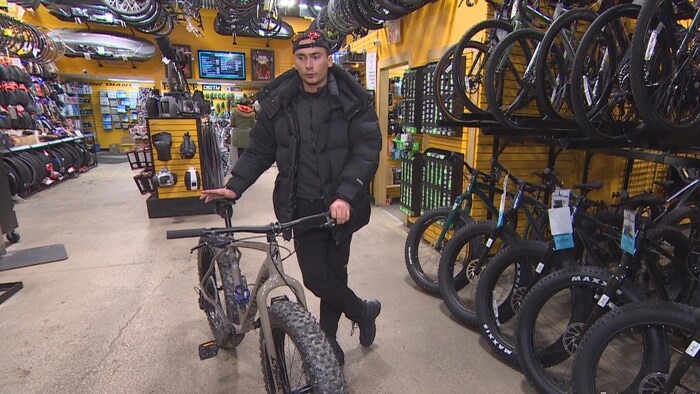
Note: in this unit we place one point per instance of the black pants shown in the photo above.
(324, 267)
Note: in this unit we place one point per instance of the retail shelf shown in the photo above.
(43, 144)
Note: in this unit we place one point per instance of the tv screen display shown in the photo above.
(222, 65)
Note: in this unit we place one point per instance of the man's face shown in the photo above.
(312, 65)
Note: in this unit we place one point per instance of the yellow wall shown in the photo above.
(153, 69)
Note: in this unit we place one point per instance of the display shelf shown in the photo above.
(48, 143)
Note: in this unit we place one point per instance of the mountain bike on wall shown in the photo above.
(296, 355)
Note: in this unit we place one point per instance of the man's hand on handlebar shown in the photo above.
(340, 211)
(215, 194)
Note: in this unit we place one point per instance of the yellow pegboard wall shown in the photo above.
(177, 128)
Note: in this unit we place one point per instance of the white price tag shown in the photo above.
(603, 300)
(489, 242)
(561, 227)
(502, 207)
(628, 241)
(87, 56)
(539, 268)
(692, 349)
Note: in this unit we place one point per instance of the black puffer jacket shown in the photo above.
(348, 151)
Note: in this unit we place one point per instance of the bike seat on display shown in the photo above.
(588, 186)
(644, 200)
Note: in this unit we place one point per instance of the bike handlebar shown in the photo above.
(272, 228)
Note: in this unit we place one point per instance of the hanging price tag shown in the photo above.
(561, 227)
(502, 207)
(628, 242)
(87, 56)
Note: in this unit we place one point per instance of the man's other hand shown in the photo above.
(215, 194)
(340, 211)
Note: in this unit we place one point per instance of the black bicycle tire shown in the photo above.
(223, 332)
(415, 235)
(548, 41)
(460, 87)
(491, 316)
(320, 365)
(119, 12)
(638, 72)
(465, 314)
(532, 362)
(584, 114)
(493, 95)
(667, 314)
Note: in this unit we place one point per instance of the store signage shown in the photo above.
(234, 89)
(393, 30)
(371, 71)
(211, 87)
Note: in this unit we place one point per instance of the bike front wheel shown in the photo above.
(636, 348)
(303, 359)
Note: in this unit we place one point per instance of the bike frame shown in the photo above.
(270, 276)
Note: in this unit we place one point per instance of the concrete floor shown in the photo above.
(121, 315)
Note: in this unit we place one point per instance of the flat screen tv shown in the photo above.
(221, 65)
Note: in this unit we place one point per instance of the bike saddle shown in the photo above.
(588, 186)
(643, 200)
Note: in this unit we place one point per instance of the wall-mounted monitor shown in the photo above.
(221, 65)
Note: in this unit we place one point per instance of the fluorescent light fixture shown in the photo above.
(287, 3)
(130, 80)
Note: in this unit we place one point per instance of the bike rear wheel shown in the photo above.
(304, 359)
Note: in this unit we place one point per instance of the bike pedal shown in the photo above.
(208, 350)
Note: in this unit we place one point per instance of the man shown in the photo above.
(318, 124)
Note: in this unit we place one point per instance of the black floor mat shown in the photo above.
(33, 256)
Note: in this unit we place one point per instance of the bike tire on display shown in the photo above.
(489, 33)
(293, 326)
(502, 286)
(654, 68)
(222, 290)
(600, 96)
(474, 236)
(545, 342)
(423, 270)
(659, 330)
(509, 84)
(554, 99)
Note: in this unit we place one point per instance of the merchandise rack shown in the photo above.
(442, 178)
(410, 190)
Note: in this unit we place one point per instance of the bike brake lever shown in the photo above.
(197, 247)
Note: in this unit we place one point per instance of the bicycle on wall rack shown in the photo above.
(296, 356)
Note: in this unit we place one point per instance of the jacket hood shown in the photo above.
(244, 111)
(342, 87)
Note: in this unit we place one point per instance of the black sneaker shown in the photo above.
(368, 328)
(338, 351)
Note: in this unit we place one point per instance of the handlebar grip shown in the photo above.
(188, 233)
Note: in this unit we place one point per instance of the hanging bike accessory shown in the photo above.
(192, 179)
(188, 148)
(163, 142)
(165, 178)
